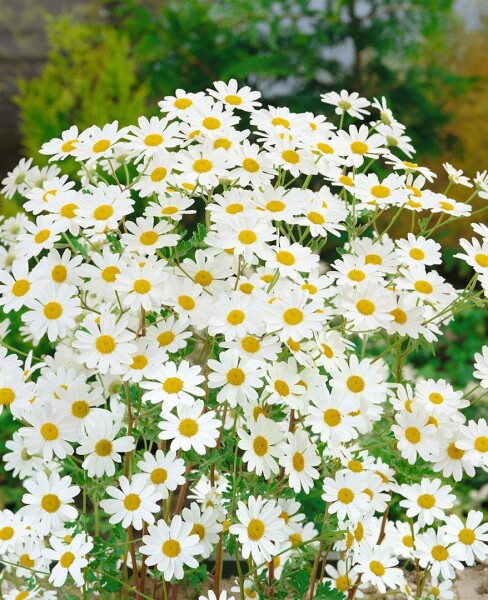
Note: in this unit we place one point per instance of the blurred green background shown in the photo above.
(85, 62)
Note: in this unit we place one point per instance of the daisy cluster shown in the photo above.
(187, 393)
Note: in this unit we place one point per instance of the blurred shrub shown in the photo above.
(90, 78)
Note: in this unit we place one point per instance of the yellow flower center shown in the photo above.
(255, 529)
(280, 122)
(202, 165)
(7, 396)
(482, 260)
(467, 536)
(290, 156)
(171, 548)
(373, 259)
(454, 452)
(356, 275)
(481, 444)
(342, 583)
(281, 387)
(246, 236)
(173, 385)
(233, 99)
(235, 376)
(204, 278)
(250, 344)
(260, 445)
(26, 561)
(110, 273)
(399, 316)
(50, 503)
(198, 529)
(365, 307)
(211, 123)
(298, 462)
(101, 146)
(69, 145)
(285, 258)
(345, 495)
(436, 398)
(355, 384)
(49, 432)
(105, 344)
(316, 218)
(426, 501)
(377, 568)
(332, 417)
(132, 502)
(275, 206)
(423, 287)
(67, 559)
(20, 288)
(235, 317)
(53, 310)
(355, 466)
(439, 553)
(68, 211)
(234, 208)
(148, 238)
(42, 235)
(142, 286)
(158, 174)
(359, 147)
(186, 302)
(182, 103)
(139, 362)
(6, 533)
(293, 316)
(188, 427)
(80, 409)
(412, 434)
(159, 475)
(325, 148)
(103, 447)
(59, 273)
(165, 338)
(153, 139)
(417, 253)
(103, 212)
(250, 165)
(222, 143)
(380, 191)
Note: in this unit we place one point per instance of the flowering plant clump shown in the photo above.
(190, 395)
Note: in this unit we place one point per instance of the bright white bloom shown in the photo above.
(70, 559)
(133, 504)
(171, 548)
(260, 528)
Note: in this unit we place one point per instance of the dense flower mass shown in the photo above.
(215, 311)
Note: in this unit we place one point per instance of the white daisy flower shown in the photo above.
(171, 548)
(48, 501)
(70, 559)
(426, 500)
(100, 447)
(133, 504)
(190, 428)
(164, 471)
